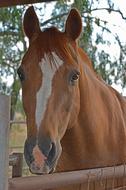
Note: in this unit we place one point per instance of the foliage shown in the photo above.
(101, 59)
(93, 40)
(11, 36)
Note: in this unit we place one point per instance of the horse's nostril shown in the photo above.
(45, 145)
(52, 152)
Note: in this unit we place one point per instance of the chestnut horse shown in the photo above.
(74, 119)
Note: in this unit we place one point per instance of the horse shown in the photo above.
(74, 119)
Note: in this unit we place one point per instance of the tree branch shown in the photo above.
(54, 18)
(91, 10)
(109, 10)
(8, 33)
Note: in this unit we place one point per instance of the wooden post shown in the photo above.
(16, 161)
(4, 136)
(17, 168)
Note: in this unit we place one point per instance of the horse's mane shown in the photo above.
(52, 40)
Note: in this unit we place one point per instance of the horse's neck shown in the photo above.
(99, 135)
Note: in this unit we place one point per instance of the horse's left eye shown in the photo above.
(74, 77)
(21, 74)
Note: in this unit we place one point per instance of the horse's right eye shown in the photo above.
(21, 74)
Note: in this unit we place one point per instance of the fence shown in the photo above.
(8, 3)
(17, 138)
(102, 178)
(91, 179)
(85, 177)
(16, 161)
(4, 134)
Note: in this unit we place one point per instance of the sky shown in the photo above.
(116, 25)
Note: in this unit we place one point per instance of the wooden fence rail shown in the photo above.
(7, 3)
(17, 122)
(67, 178)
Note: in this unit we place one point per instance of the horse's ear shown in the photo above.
(31, 23)
(73, 24)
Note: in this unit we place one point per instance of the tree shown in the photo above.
(111, 69)
(11, 36)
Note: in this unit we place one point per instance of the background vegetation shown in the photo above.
(13, 44)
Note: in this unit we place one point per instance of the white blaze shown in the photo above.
(45, 90)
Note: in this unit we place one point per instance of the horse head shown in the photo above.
(49, 75)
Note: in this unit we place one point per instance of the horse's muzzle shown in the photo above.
(42, 157)
(43, 169)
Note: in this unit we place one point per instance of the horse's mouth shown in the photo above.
(40, 170)
(46, 168)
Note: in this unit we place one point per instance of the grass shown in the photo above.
(17, 135)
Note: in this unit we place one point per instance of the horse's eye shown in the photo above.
(74, 77)
(21, 74)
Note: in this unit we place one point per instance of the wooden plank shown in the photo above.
(120, 188)
(17, 122)
(17, 168)
(64, 179)
(8, 3)
(16, 161)
(4, 139)
(13, 159)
